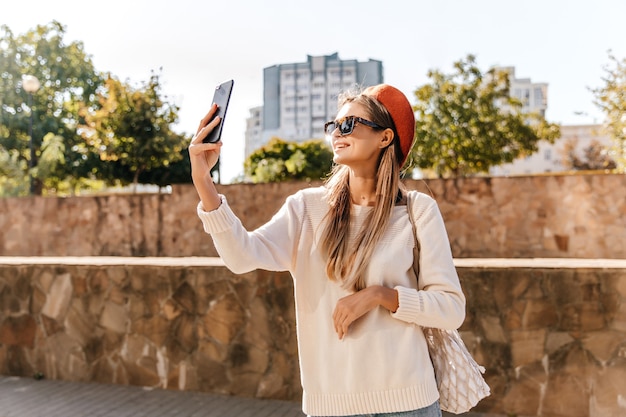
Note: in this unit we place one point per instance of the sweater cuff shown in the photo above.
(410, 304)
(218, 220)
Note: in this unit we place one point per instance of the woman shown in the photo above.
(349, 248)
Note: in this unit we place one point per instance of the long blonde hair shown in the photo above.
(347, 262)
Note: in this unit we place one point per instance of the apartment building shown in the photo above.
(532, 95)
(299, 97)
(549, 157)
(552, 157)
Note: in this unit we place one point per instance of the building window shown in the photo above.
(547, 154)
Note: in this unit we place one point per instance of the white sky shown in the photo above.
(201, 43)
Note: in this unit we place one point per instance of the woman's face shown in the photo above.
(361, 148)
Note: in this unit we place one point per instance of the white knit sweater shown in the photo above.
(382, 364)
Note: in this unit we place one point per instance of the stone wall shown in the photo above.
(182, 325)
(580, 216)
(551, 333)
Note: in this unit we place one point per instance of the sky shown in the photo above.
(195, 45)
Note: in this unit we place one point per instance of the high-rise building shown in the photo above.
(533, 96)
(299, 97)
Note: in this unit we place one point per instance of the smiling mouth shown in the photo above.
(341, 146)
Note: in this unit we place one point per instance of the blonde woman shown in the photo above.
(349, 247)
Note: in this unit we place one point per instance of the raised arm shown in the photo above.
(203, 157)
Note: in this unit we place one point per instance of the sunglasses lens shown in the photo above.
(346, 126)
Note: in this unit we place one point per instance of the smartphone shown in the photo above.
(221, 97)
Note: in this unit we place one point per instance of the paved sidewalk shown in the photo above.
(27, 397)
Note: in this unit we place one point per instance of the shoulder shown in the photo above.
(311, 194)
(308, 197)
(422, 205)
(421, 199)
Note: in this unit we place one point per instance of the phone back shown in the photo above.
(221, 97)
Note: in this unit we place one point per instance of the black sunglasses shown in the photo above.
(346, 125)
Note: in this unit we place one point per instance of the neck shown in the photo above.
(362, 190)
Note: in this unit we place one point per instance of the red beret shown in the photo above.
(401, 113)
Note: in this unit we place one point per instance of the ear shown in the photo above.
(386, 138)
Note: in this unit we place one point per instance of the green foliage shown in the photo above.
(86, 129)
(14, 180)
(283, 161)
(130, 131)
(68, 81)
(611, 98)
(467, 122)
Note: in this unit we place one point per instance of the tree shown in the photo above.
(283, 161)
(611, 98)
(595, 156)
(68, 82)
(467, 122)
(130, 131)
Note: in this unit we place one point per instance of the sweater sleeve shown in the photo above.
(439, 301)
(270, 247)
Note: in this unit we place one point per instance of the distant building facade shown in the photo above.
(552, 157)
(532, 95)
(299, 97)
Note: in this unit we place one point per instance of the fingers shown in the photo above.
(342, 321)
(205, 120)
(350, 308)
(207, 124)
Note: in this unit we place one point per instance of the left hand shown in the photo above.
(352, 307)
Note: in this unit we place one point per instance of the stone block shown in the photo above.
(525, 394)
(271, 386)
(609, 392)
(527, 346)
(224, 319)
(603, 345)
(78, 324)
(64, 359)
(619, 284)
(183, 377)
(556, 340)
(619, 320)
(114, 317)
(99, 281)
(79, 284)
(492, 329)
(44, 280)
(18, 331)
(539, 313)
(592, 316)
(183, 333)
(244, 384)
(59, 297)
(154, 328)
(212, 374)
(50, 326)
(185, 296)
(170, 310)
(117, 295)
(568, 396)
(17, 362)
(37, 300)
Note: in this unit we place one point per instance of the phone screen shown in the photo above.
(221, 97)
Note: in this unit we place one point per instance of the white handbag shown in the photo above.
(459, 378)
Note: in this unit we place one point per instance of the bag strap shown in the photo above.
(416, 244)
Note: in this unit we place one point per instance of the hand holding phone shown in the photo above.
(221, 97)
